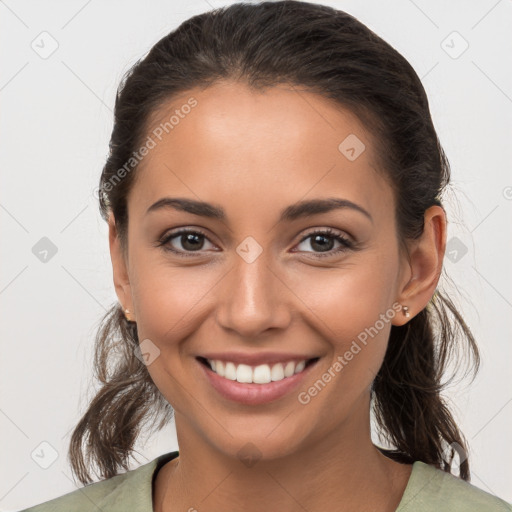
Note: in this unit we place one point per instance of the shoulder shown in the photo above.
(127, 491)
(431, 489)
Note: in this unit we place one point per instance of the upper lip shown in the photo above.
(257, 358)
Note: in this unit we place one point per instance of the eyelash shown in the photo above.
(330, 233)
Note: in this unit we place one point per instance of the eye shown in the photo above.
(193, 241)
(324, 239)
(190, 240)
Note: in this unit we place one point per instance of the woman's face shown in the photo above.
(255, 280)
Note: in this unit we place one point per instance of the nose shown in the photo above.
(254, 298)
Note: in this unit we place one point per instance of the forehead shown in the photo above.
(254, 149)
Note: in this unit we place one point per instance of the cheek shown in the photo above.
(351, 308)
(171, 305)
(169, 298)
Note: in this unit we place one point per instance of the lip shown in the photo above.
(254, 394)
(257, 358)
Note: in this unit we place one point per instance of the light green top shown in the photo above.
(428, 490)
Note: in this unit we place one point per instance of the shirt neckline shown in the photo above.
(415, 484)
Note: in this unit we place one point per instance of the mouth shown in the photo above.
(252, 385)
(256, 374)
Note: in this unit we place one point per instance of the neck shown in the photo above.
(343, 467)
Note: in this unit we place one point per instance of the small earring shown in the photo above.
(127, 312)
(405, 309)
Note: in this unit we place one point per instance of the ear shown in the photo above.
(119, 267)
(426, 262)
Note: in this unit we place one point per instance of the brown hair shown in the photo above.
(329, 52)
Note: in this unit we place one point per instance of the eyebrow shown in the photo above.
(293, 212)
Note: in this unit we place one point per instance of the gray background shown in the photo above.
(56, 117)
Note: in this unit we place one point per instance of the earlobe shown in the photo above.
(119, 267)
(426, 261)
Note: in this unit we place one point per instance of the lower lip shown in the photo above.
(254, 394)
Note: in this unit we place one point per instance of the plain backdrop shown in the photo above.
(61, 63)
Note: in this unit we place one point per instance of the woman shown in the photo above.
(273, 195)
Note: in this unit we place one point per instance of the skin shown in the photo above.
(255, 153)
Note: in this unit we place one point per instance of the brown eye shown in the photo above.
(323, 241)
(190, 241)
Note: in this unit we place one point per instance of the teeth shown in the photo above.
(300, 366)
(261, 374)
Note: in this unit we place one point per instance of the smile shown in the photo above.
(261, 374)
(254, 385)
